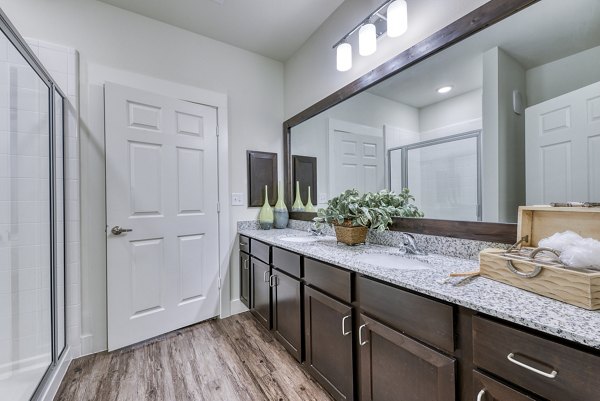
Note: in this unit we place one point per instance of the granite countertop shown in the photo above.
(480, 294)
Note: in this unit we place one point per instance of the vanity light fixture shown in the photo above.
(444, 89)
(397, 18)
(344, 56)
(390, 17)
(367, 40)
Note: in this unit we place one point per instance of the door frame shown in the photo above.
(91, 249)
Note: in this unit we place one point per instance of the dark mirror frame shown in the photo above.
(477, 20)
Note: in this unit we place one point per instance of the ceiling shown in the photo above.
(273, 28)
(547, 31)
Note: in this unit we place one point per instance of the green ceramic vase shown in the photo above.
(265, 217)
(309, 205)
(280, 212)
(298, 206)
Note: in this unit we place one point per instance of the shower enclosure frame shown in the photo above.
(475, 134)
(13, 36)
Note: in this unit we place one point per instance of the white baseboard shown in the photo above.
(57, 377)
(237, 307)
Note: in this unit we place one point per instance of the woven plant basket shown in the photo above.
(349, 235)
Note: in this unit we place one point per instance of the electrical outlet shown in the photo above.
(237, 199)
(322, 197)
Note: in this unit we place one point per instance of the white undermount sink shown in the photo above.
(392, 261)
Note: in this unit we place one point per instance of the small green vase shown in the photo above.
(265, 217)
(298, 206)
(280, 212)
(309, 205)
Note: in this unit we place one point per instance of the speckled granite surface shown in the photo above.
(479, 294)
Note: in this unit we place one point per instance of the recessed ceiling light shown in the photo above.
(444, 89)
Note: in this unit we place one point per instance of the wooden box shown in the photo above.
(574, 286)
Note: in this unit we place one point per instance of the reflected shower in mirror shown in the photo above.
(509, 116)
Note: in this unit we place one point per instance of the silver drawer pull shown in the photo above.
(273, 281)
(481, 395)
(245, 264)
(243, 244)
(360, 340)
(551, 375)
(344, 332)
(266, 276)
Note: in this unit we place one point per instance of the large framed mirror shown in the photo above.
(497, 110)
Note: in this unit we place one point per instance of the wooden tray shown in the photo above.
(573, 286)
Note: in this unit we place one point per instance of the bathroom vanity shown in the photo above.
(372, 331)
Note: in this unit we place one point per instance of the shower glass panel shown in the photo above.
(444, 177)
(26, 277)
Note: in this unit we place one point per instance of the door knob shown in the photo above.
(117, 230)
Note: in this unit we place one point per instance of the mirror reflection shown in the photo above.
(507, 117)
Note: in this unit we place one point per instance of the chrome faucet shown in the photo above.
(409, 245)
(315, 230)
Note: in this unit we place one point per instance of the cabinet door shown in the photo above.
(328, 336)
(487, 389)
(245, 279)
(261, 292)
(395, 367)
(287, 312)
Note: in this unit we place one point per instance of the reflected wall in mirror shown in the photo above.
(509, 116)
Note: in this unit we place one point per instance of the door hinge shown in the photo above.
(218, 207)
(219, 282)
(217, 130)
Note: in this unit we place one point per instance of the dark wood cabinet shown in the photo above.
(554, 371)
(287, 312)
(396, 367)
(487, 389)
(261, 291)
(329, 345)
(245, 293)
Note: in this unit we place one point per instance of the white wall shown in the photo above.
(108, 36)
(459, 114)
(562, 76)
(503, 139)
(310, 74)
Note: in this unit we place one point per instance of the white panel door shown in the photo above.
(356, 161)
(161, 183)
(562, 147)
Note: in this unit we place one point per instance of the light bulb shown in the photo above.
(397, 18)
(344, 57)
(367, 40)
(444, 89)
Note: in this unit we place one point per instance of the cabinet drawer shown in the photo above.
(244, 244)
(552, 370)
(417, 316)
(332, 280)
(288, 262)
(487, 389)
(260, 250)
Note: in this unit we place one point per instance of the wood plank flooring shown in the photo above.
(231, 359)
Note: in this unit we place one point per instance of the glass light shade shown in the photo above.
(367, 40)
(397, 18)
(344, 57)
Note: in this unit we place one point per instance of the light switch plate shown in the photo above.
(237, 199)
(322, 197)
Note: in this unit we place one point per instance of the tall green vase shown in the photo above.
(265, 217)
(309, 205)
(298, 206)
(280, 212)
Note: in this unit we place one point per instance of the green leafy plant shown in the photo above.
(372, 209)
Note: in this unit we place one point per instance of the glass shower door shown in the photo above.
(26, 267)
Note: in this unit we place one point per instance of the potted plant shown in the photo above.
(352, 214)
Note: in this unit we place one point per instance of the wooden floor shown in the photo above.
(230, 359)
